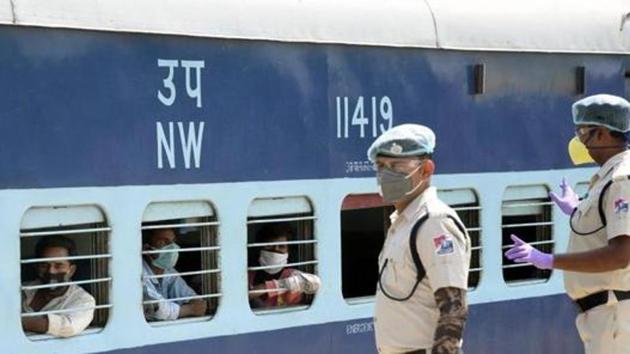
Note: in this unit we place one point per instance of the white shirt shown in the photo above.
(616, 206)
(65, 324)
(165, 288)
(445, 254)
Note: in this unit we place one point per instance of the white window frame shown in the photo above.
(60, 216)
(456, 198)
(520, 200)
(164, 211)
(282, 209)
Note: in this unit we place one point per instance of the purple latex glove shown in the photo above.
(522, 252)
(569, 199)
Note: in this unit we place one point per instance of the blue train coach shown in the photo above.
(216, 117)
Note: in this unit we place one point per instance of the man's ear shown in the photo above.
(428, 168)
(73, 269)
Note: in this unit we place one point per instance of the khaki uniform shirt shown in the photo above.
(616, 205)
(445, 254)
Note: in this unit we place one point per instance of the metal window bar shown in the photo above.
(533, 243)
(179, 225)
(472, 270)
(210, 281)
(183, 298)
(526, 224)
(506, 205)
(518, 265)
(298, 242)
(100, 269)
(195, 272)
(68, 283)
(466, 208)
(183, 249)
(51, 312)
(262, 291)
(264, 221)
(69, 258)
(97, 230)
(286, 265)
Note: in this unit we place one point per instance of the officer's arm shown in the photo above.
(451, 302)
(605, 259)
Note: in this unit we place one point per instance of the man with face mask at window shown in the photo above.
(278, 285)
(597, 265)
(421, 303)
(169, 287)
(63, 297)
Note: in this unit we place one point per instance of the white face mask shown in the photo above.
(268, 258)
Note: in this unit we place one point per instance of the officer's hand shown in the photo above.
(568, 201)
(522, 252)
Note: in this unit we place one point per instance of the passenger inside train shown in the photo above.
(52, 271)
(276, 284)
(169, 284)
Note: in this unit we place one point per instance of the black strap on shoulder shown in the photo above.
(600, 210)
(421, 272)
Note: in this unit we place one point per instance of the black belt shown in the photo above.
(600, 298)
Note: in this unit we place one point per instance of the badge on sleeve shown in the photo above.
(621, 206)
(443, 245)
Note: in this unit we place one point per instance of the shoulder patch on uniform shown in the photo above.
(443, 244)
(621, 206)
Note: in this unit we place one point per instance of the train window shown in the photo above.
(364, 224)
(526, 212)
(282, 262)
(180, 265)
(466, 204)
(65, 271)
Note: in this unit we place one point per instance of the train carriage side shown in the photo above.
(214, 121)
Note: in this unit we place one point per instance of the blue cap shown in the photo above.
(604, 110)
(402, 141)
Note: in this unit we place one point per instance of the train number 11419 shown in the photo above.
(370, 116)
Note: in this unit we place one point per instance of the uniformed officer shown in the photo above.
(423, 266)
(597, 267)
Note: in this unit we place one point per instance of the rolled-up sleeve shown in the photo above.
(68, 324)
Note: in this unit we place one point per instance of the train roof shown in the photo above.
(497, 25)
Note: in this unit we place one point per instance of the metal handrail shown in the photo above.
(264, 221)
(541, 223)
(286, 265)
(174, 226)
(64, 232)
(168, 275)
(51, 312)
(68, 283)
(297, 242)
(193, 297)
(184, 249)
(69, 258)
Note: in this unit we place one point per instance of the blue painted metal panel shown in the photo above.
(80, 108)
(528, 326)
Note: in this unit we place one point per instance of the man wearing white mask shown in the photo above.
(171, 286)
(277, 285)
